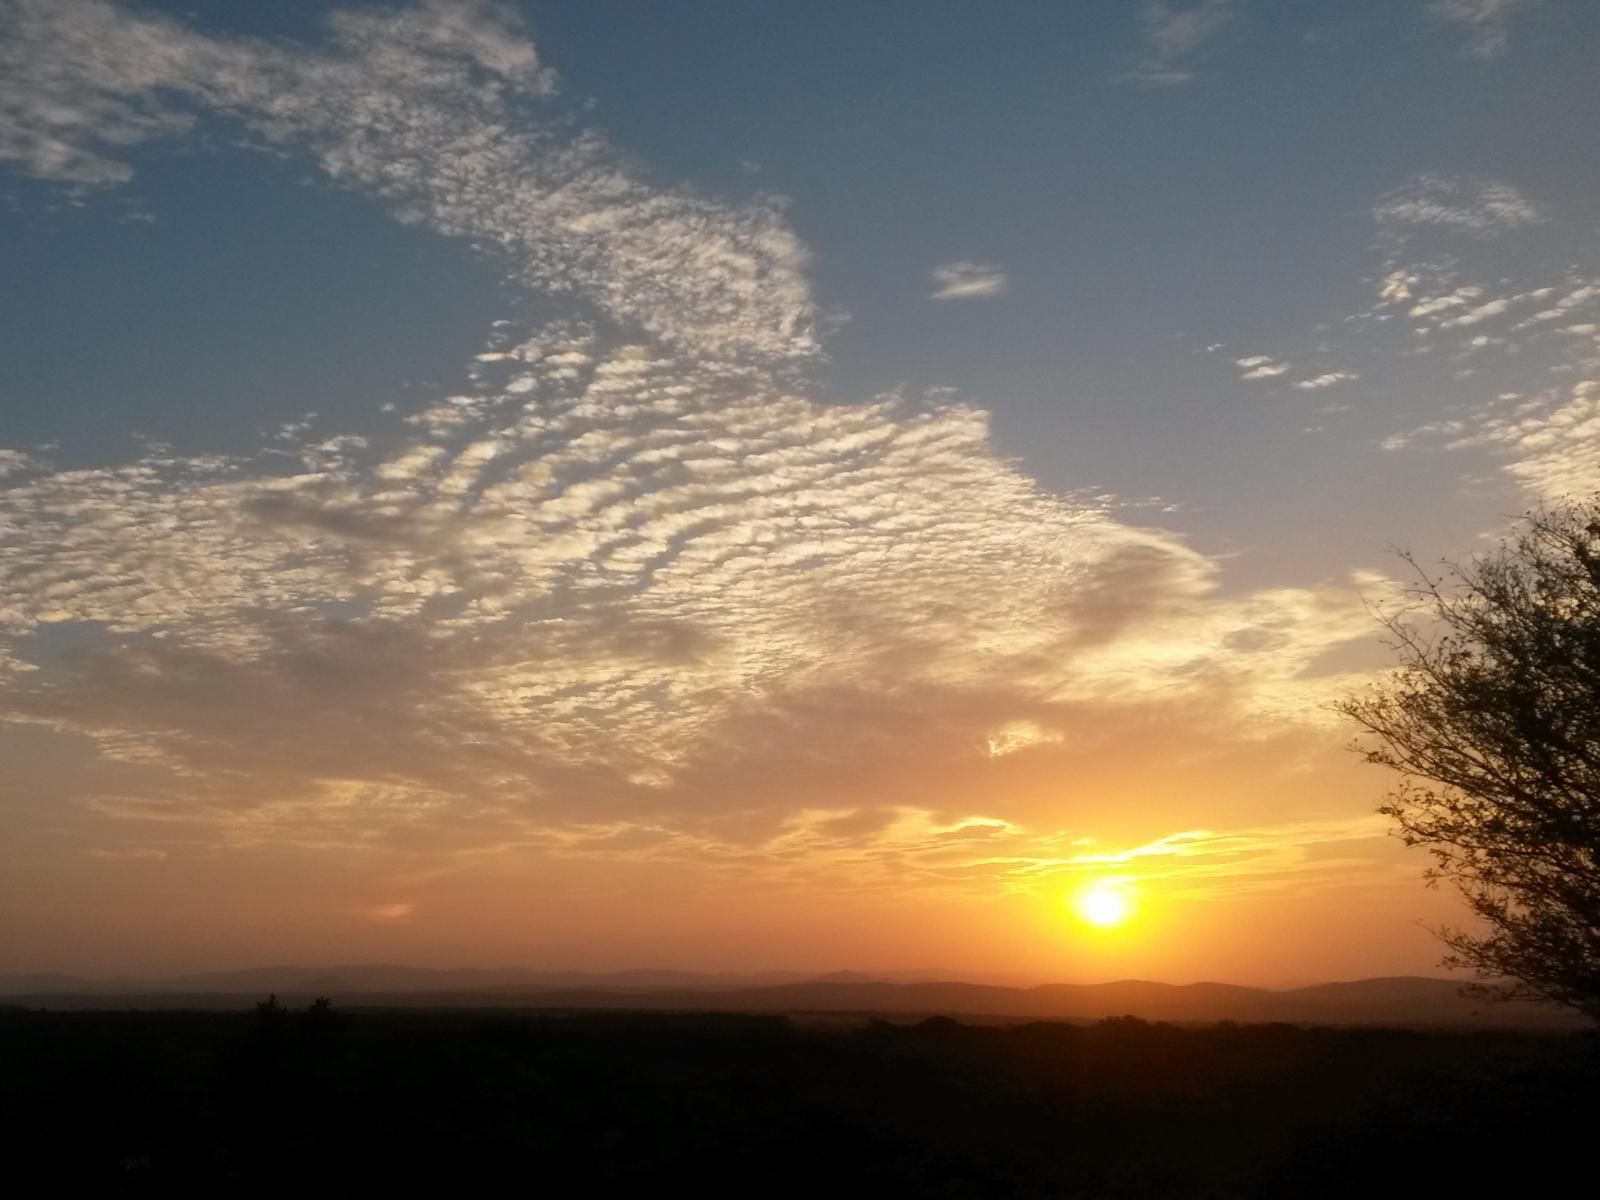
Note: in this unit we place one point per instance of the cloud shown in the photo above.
(1175, 34)
(1154, 75)
(81, 82)
(14, 462)
(1479, 313)
(965, 280)
(1435, 304)
(1434, 300)
(631, 587)
(1231, 862)
(426, 109)
(1484, 208)
(608, 573)
(1327, 379)
(1498, 352)
(970, 855)
(126, 853)
(1543, 437)
(1487, 23)
(1583, 295)
(1551, 441)
(1260, 366)
(1012, 737)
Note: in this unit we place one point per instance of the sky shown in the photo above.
(729, 486)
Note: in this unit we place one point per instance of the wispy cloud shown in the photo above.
(1447, 296)
(979, 856)
(398, 910)
(1174, 35)
(127, 853)
(1325, 380)
(966, 280)
(1487, 23)
(1482, 207)
(1546, 438)
(1260, 366)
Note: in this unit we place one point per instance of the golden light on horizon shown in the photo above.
(1103, 905)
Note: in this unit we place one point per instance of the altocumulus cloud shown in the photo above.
(416, 107)
(1446, 297)
(628, 583)
(1487, 208)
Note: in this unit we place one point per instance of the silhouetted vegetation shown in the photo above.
(1493, 717)
(332, 1103)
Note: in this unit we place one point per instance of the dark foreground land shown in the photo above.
(329, 1103)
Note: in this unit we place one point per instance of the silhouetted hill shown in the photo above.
(339, 1103)
(379, 977)
(44, 982)
(1408, 1002)
(1403, 1001)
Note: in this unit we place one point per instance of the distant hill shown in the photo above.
(1406, 1001)
(1409, 1001)
(386, 977)
(380, 977)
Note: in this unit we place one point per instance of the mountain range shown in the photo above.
(1400, 1001)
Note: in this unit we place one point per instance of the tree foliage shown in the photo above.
(1493, 717)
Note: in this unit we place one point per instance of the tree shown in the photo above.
(1493, 717)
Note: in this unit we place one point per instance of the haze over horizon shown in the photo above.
(595, 486)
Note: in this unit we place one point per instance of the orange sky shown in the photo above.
(981, 887)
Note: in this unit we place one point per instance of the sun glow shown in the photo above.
(1103, 905)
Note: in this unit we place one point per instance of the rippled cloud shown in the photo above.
(633, 585)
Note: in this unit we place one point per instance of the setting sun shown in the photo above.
(1103, 905)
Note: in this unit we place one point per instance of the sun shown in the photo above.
(1103, 905)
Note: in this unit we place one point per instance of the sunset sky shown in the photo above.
(737, 486)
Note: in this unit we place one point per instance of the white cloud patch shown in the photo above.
(1260, 366)
(1487, 23)
(1174, 34)
(966, 280)
(1479, 313)
(1578, 298)
(1325, 380)
(14, 462)
(1551, 440)
(82, 82)
(1012, 737)
(1482, 207)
